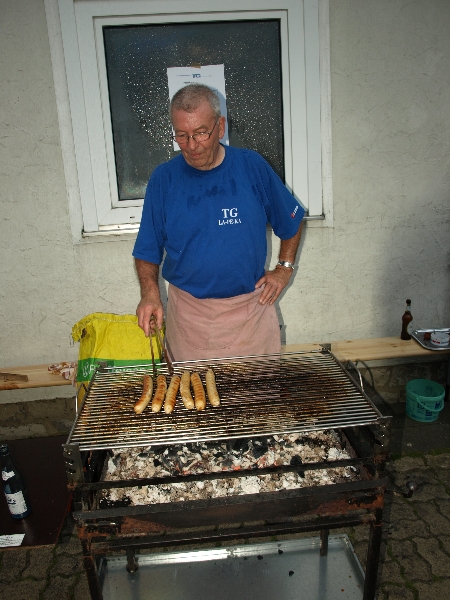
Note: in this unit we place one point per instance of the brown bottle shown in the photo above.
(407, 322)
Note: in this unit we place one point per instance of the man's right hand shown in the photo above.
(148, 312)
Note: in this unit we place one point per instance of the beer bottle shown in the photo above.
(13, 486)
(407, 322)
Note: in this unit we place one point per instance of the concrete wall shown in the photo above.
(390, 95)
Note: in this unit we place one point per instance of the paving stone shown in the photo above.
(436, 521)
(69, 545)
(443, 506)
(361, 534)
(391, 592)
(13, 563)
(443, 476)
(406, 463)
(404, 529)
(81, 591)
(445, 541)
(429, 491)
(22, 590)
(439, 561)
(425, 480)
(60, 588)
(360, 549)
(391, 573)
(40, 560)
(435, 590)
(441, 461)
(67, 565)
(414, 567)
(399, 509)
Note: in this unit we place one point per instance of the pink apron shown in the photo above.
(220, 327)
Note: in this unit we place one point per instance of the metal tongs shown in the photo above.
(164, 355)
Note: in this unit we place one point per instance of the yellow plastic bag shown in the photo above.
(116, 340)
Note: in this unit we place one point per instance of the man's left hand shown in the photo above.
(274, 283)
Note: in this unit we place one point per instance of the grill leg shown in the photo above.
(373, 557)
(324, 542)
(447, 385)
(91, 572)
(132, 565)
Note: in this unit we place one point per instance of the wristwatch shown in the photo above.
(285, 263)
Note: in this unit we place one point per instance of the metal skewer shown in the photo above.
(153, 356)
(164, 355)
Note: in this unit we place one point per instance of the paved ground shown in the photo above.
(416, 539)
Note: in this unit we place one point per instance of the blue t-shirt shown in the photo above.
(212, 224)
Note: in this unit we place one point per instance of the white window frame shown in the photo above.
(76, 41)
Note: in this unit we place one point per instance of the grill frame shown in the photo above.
(319, 508)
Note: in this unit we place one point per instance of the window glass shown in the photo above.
(136, 60)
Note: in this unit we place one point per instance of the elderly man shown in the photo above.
(208, 209)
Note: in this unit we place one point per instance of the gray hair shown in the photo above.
(190, 97)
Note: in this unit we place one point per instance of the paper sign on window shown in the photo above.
(211, 75)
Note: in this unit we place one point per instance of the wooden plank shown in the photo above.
(355, 350)
(373, 349)
(38, 376)
(12, 377)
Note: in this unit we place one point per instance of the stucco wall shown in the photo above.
(390, 86)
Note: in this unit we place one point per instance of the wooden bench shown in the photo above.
(354, 350)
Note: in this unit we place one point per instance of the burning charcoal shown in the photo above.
(263, 442)
(215, 457)
(172, 466)
(235, 445)
(259, 557)
(258, 452)
(107, 503)
(291, 573)
(227, 464)
(280, 551)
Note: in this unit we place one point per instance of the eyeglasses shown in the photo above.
(203, 136)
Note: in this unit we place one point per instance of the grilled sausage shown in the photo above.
(160, 394)
(171, 394)
(199, 392)
(211, 389)
(185, 390)
(146, 395)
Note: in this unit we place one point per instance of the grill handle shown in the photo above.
(352, 365)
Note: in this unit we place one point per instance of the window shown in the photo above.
(137, 57)
(115, 57)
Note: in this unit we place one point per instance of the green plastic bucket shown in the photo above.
(424, 400)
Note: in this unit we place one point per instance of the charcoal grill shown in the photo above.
(260, 396)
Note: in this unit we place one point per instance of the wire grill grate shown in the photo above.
(263, 395)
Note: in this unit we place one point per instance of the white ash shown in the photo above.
(233, 455)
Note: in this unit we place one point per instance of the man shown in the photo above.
(208, 209)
